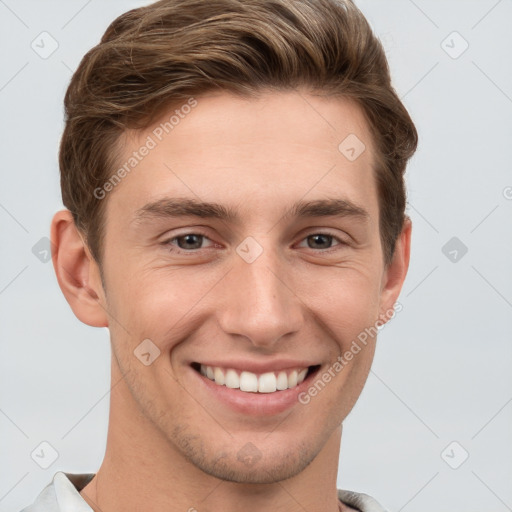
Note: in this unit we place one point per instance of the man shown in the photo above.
(233, 177)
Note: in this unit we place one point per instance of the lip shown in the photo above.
(254, 404)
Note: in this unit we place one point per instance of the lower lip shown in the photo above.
(255, 404)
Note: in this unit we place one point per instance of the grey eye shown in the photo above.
(322, 240)
(191, 241)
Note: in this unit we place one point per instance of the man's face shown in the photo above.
(267, 291)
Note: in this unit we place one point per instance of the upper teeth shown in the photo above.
(251, 382)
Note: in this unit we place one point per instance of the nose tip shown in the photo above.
(258, 303)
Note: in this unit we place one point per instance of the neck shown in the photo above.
(143, 469)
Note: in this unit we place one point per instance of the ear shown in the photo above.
(77, 272)
(395, 272)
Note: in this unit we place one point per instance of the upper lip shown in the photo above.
(259, 366)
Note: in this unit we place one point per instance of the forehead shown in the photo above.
(250, 154)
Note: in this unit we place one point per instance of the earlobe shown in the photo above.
(396, 271)
(77, 272)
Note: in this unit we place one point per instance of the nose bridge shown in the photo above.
(259, 303)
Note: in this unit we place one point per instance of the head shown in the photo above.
(282, 117)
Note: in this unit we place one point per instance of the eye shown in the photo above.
(322, 241)
(187, 242)
(193, 242)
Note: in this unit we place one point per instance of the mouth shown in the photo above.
(268, 382)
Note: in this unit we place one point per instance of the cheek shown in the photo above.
(161, 304)
(347, 300)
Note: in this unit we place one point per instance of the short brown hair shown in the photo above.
(159, 55)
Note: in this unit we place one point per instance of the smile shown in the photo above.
(249, 382)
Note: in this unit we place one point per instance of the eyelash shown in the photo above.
(169, 242)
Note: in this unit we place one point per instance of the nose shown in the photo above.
(259, 301)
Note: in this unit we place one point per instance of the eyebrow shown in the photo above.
(189, 207)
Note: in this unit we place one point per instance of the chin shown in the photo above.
(250, 465)
(268, 472)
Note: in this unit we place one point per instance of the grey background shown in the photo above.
(442, 368)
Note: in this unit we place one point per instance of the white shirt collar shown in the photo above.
(63, 494)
